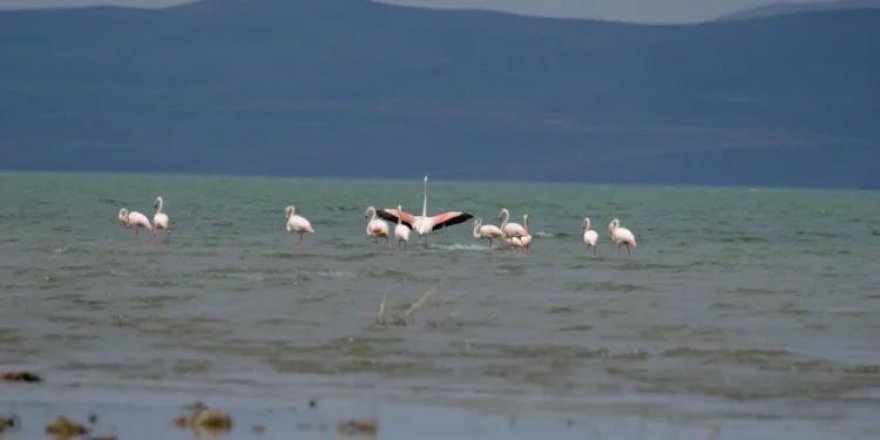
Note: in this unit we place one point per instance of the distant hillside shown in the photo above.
(787, 8)
(354, 88)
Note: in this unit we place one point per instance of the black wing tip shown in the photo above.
(461, 218)
(383, 214)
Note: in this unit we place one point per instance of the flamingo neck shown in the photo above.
(425, 199)
(399, 210)
(587, 224)
(505, 217)
(477, 224)
(160, 205)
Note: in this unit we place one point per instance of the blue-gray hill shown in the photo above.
(787, 8)
(354, 88)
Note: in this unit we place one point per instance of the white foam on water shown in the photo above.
(460, 247)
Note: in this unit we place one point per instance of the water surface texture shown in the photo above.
(749, 308)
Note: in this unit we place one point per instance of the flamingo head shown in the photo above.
(369, 211)
(478, 222)
(288, 212)
(123, 215)
(159, 202)
(613, 225)
(501, 214)
(586, 224)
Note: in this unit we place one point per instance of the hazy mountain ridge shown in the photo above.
(337, 87)
(788, 8)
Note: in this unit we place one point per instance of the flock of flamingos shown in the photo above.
(515, 236)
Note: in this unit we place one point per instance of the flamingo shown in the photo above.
(376, 227)
(526, 240)
(160, 219)
(134, 219)
(591, 237)
(523, 239)
(486, 231)
(621, 236)
(515, 243)
(424, 224)
(296, 223)
(510, 229)
(401, 231)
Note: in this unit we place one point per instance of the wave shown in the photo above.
(459, 247)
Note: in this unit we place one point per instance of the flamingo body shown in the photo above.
(375, 226)
(510, 229)
(160, 219)
(621, 236)
(134, 220)
(521, 243)
(482, 231)
(591, 237)
(401, 231)
(296, 223)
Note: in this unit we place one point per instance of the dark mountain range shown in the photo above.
(355, 88)
(787, 8)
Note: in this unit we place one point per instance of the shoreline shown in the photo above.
(144, 411)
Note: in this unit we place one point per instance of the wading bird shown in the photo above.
(482, 231)
(591, 237)
(424, 224)
(297, 223)
(621, 236)
(401, 231)
(134, 220)
(376, 227)
(160, 219)
(510, 229)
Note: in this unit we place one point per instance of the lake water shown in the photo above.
(743, 312)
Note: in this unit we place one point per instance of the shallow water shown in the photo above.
(751, 306)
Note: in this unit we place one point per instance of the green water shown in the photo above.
(752, 309)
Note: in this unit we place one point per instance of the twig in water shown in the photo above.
(416, 305)
(380, 317)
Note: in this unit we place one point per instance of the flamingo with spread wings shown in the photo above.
(425, 224)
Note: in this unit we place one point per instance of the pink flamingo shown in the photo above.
(621, 236)
(296, 223)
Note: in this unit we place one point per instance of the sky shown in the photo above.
(648, 11)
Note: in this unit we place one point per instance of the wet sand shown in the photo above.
(147, 411)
